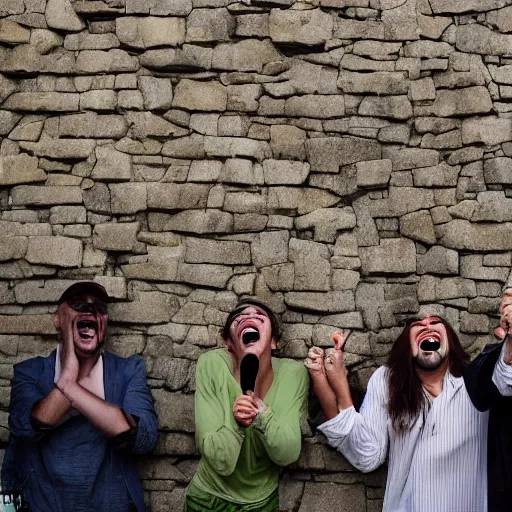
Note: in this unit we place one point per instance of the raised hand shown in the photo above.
(336, 371)
(69, 362)
(245, 409)
(505, 315)
(315, 362)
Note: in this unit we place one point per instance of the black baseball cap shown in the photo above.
(84, 288)
(244, 303)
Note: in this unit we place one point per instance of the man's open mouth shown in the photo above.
(430, 345)
(250, 335)
(87, 329)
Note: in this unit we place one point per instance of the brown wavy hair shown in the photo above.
(406, 398)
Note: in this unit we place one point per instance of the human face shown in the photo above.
(250, 332)
(429, 343)
(86, 316)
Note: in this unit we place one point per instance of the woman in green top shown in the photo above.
(244, 439)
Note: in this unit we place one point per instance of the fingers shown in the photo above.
(314, 365)
(244, 410)
(339, 338)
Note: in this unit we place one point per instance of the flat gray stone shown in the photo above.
(196, 95)
(461, 234)
(322, 302)
(128, 198)
(150, 31)
(326, 222)
(308, 27)
(200, 250)
(489, 130)
(16, 169)
(411, 158)
(498, 170)
(455, 7)
(285, 172)
(393, 107)
(373, 173)
(317, 106)
(147, 308)
(214, 276)
(45, 195)
(111, 165)
(246, 55)
(207, 25)
(42, 101)
(13, 33)
(311, 263)
(438, 260)
(193, 221)
(327, 154)
(92, 125)
(177, 196)
(13, 247)
(475, 38)
(270, 248)
(394, 256)
(112, 236)
(111, 61)
(60, 14)
(467, 101)
(157, 92)
(378, 82)
(58, 251)
(418, 226)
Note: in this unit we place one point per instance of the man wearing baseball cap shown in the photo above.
(78, 416)
(248, 406)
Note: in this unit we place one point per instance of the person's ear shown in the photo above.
(228, 344)
(273, 343)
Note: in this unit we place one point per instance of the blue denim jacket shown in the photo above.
(73, 466)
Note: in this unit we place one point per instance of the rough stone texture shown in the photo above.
(350, 161)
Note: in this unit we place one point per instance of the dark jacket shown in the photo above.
(39, 455)
(485, 395)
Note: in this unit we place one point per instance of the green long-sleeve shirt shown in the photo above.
(242, 465)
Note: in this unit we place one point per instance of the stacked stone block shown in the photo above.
(350, 161)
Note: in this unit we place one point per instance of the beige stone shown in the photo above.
(150, 31)
(393, 107)
(177, 196)
(27, 324)
(112, 236)
(111, 61)
(195, 95)
(13, 33)
(206, 25)
(127, 198)
(323, 107)
(13, 247)
(58, 251)
(157, 92)
(375, 83)
(40, 195)
(199, 250)
(42, 101)
(60, 14)
(245, 55)
(394, 256)
(308, 27)
(21, 168)
(111, 165)
(92, 125)
(147, 308)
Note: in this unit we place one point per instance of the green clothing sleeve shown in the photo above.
(218, 436)
(280, 429)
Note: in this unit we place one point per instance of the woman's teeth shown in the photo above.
(430, 345)
(250, 335)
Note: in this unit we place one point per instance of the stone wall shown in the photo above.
(348, 160)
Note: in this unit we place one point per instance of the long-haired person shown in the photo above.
(416, 409)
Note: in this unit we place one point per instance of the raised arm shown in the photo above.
(218, 436)
(279, 427)
(363, 437)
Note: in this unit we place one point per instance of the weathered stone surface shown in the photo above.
(498, 170)
(8, 120)
(395, 256)
(42, 101)
(270, 248)
(287, 142)
(39, 195)
(454, 7)
(312, 269)
(331, 496)
(54, 250)
(148, 32)
(330, 302)
(195, 95)
(216, 251)
(476, 38)
(308, 27)
(215, 276)
(27, 324)
(248, 55)
(461, 234)
(323, 107)
(87, 41)
(411, 158)
(467, 101)
(438, 260)
(112, 236)
(373, 173)
(112, 61)
(127, 198)
(175, 410)
(402, 200)
(147, 308)
(375, 83)
(394, 107)
(13, 33)
(488, 130)
(327, 154)
(205, 25)
(13, 247)
(418, 226)
(174, 196)
(60, 14)
(326, 222)
(157, 92)
(111, 165)
(92, 125)
(193, 221)
(21, 168)
(284, 172)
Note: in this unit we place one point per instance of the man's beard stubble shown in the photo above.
(428, 364)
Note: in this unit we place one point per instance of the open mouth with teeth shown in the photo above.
(250, 335)
(430, 344)
(87, 329)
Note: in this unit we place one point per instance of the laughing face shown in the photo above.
(250, 332)
(88, 316)
(429, 343)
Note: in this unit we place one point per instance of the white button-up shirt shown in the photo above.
(440, 465)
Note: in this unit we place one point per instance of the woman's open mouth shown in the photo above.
(87, 329)
(250, 335)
